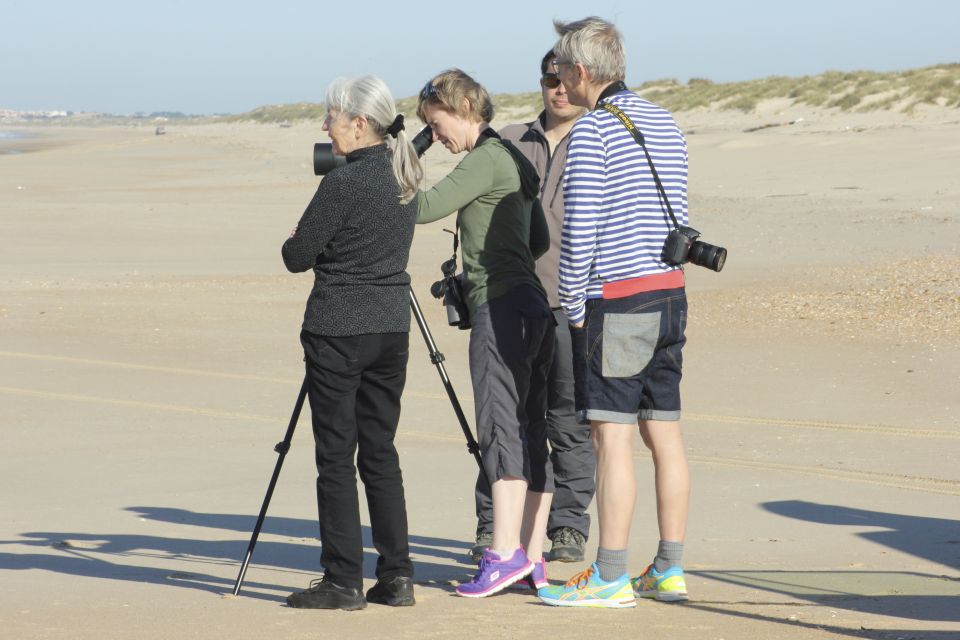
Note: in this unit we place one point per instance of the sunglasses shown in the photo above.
(550, 80)
(428, 90)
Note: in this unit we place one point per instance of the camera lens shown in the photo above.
(422, 141)
(437, 289)
(707, 255)
(324, 160)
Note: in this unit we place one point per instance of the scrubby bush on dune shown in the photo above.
(844, 90)
(847, 91)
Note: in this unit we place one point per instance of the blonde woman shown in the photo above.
(503, 230)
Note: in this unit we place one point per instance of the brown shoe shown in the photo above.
(567, 545)
(483, 541)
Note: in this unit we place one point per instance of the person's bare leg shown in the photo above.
(616, 484)
(536, 511)
(671, 476)
(509, 494)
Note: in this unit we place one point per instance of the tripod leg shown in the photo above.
(281, 448)
(437, 358)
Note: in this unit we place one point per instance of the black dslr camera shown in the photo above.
(682, 246)
(324, 160)
(450, 289)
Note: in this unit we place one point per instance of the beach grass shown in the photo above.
(848, 91)
(280, 113)
(854, 91)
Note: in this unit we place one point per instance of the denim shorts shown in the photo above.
(628, 357)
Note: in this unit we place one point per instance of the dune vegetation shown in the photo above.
(856, 91)
(849, 91)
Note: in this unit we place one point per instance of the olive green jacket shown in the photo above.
(501, 222)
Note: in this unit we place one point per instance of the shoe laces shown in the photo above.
(315, 583)
(567, 537)
(647, 579)
(580, 579)
(482, 566)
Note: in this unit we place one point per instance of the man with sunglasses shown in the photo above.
(544, 143)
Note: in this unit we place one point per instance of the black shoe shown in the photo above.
(393, 592)
(567, 545)
(326, 594)
(483, 541)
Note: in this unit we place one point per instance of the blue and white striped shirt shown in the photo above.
(615, 221)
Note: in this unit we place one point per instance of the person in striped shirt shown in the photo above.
(627, 309)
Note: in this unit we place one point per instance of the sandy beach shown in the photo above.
(149, 361)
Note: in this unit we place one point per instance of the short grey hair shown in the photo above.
(369, 96)
(594, 43)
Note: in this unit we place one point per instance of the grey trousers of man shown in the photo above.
(571, 450)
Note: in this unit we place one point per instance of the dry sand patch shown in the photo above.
(149, 361)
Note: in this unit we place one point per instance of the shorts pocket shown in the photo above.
(629, 340)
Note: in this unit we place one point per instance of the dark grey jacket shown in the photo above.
(356, 237)
(530, 140)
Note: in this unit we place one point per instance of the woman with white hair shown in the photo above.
(355, 234)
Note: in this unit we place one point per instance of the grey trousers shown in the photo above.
(571, 451)
(511, 348)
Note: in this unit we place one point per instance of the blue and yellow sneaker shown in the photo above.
(586, 589)
(669, 586)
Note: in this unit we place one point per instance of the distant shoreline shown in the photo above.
(8, 140)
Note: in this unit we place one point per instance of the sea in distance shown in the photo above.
(7, 137)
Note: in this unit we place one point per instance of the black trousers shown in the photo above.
(354, 386)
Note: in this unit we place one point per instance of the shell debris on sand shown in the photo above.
(912, 300)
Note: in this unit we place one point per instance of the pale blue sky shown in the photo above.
(198, 56)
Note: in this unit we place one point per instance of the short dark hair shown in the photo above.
(547, 59)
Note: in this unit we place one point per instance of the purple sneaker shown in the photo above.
(536, 579)
(496, 574)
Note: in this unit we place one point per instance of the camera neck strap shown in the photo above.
(611, 89)
(456, 240)
(632, 128)
(487, 133)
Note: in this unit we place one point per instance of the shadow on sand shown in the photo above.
(115, 556)
(906, 595)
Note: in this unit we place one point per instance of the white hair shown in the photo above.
(369, 96)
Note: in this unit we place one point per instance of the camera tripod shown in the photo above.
(282, 447)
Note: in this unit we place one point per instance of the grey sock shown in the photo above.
(669, 554)
(611, 563)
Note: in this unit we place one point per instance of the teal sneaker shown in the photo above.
(586, 589)
(669, 586)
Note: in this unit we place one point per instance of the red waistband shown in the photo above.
(656, 282)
